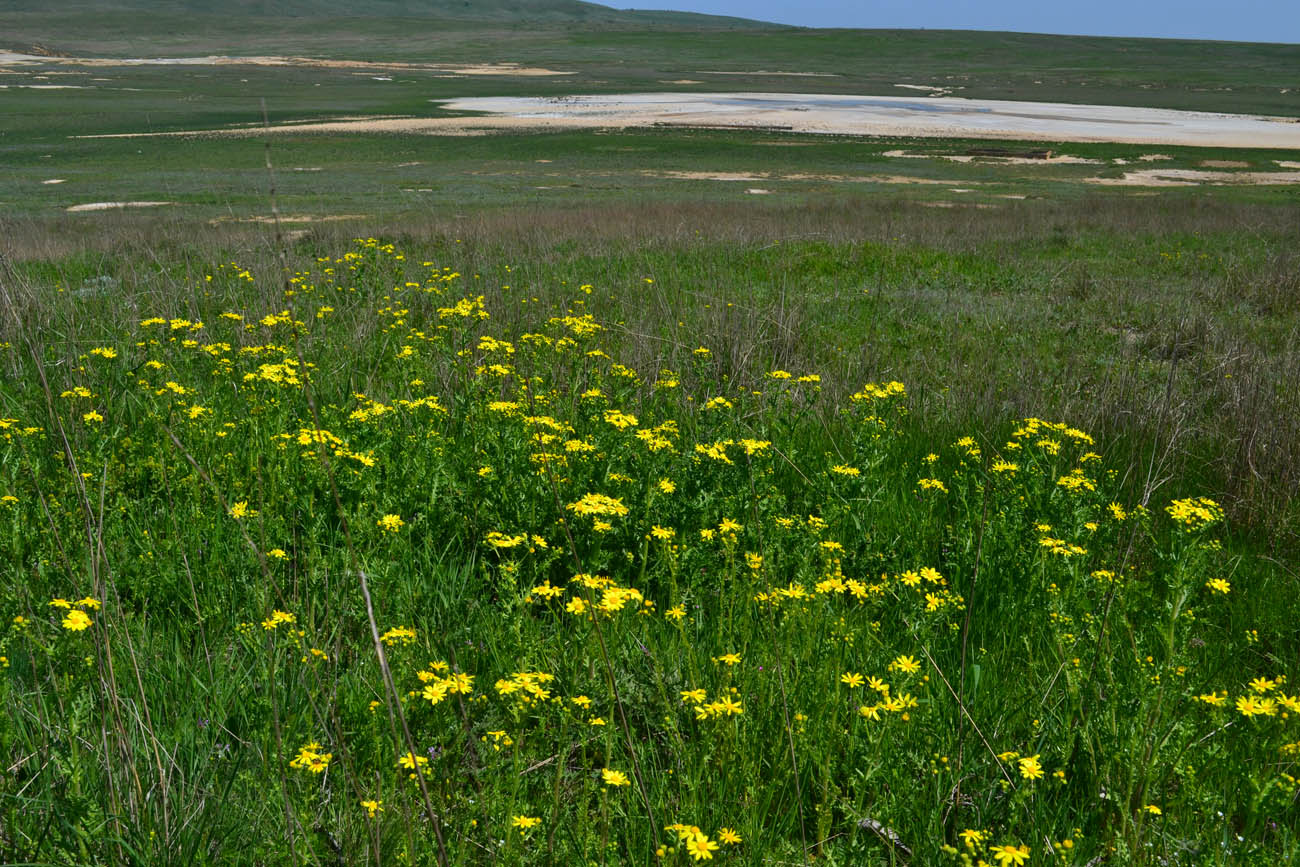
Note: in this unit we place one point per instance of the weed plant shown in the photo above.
(373, 560)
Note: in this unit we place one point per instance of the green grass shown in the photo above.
(191, 491)
(607, 57)
(236, 453)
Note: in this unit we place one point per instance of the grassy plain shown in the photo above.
(576, 520)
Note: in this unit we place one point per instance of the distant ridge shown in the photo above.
(499, 12)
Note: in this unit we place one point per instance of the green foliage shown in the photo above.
(636, 596)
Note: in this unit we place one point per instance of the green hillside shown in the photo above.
(513, 12)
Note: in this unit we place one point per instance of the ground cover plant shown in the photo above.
(398, 553)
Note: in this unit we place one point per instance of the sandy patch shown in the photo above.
(1061, 160)
(1195, 177)
(757, 191)
(901, 116)
(980, 206)
(709, 176)
(55, 181)
(825, 113)
(793, 176)
(1154, 158)
(1288, 164)
(306, 169)
(339, 118)
(929, 88)
(680, 81)
(291, 218)
(45, 87)
(1012, 196)
(1224, 164)
(108, 206)
(448, 126)
(770, 72)
(9, 58)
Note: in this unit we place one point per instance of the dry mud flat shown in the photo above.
(14, 59)
(946, 117)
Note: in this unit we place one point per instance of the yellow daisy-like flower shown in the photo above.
(76, 621)
(1011, 855)
(614, 778)
(1030, 768)
(701, 848)
(391, 523)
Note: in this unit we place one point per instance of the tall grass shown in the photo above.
(468, 552)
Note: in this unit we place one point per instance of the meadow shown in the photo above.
(470, 559)
(520, 499)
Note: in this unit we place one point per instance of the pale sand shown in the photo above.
(901, 116)
(1224, 164)
(795, 176)
(1194, 177)
(10, 58)
(292, 218)
(55, 181)
(107, 206)
(1063, 159)
(981, 206)
(771, 72)
(946, 117)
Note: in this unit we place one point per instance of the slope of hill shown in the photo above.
(498, 12)
(607, 50)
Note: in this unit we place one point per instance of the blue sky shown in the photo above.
(1245, 20)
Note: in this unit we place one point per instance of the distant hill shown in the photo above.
(496, 12)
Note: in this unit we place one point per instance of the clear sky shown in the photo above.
(1243, 20)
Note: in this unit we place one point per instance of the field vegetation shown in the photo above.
(536, 572)
(519, 499)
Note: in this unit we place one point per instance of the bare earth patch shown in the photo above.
(1194, 177)
(291, 218)
(1061, 160)
(9, 58)
(838, 114)
(108, 206)
(1224, 164)
(770, 72)
(794, 176)
(948, 117)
